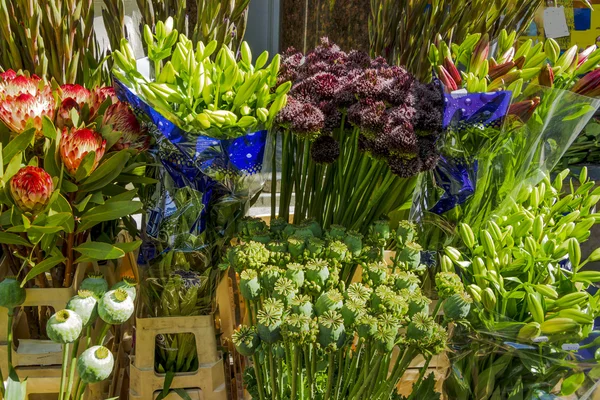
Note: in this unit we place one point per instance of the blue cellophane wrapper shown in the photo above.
(487, 156)
(206, 183)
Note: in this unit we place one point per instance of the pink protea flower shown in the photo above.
(12, 84)
(99, 96)
(25, 110)
(121, 118)
(31, 189)
(76, 92)
(63, 115)
(76, 143)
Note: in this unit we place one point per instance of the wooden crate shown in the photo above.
(208, 380)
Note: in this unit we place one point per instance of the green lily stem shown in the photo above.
(274, 177)
(330, 375)
(63, 373)
(72, 368)
(103, 333)
(259, 378)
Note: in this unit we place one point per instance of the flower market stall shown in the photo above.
(418, 236)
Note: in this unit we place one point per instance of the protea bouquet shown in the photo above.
(355, 134)
(314, 335)
(532, 304)
(69, 155)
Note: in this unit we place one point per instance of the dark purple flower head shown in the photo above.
(400, 115)
(428, 119)
(325, 85)
(402, 140)
(404, 167)
(428, 152)
(368, 114)
(333, 116)
(308, 121)
(399, 89)
(358, 60)
(303, 91)
(379, 62)
(376, 147)
(370, 85)
(325, 150)
(290, 65)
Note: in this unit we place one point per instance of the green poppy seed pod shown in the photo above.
(246, 340)
(115, 307)
(377, 272)
(329, 301)
(353, 241)
(488, 298)
(263, 236)
(289, 230)
(317, 272)
(64, 327)
(418, 304)
(378, 299)
(350, 311)
(11, 293)
(95, 364)
(406, 232)
(297, 324)
(85, 305)
(407, 280)
(385, 340)
(269, 276)
(457, 306)
(128, 284)
(366, 326)
(419, 327)
(410, 254)
(96, 284)
(337, 232)
(277, 246)
(304, 232)
(302, 305)
(269, 325)
(249, 285)
(315, 246)
(380, 229)
(296, 246)
(358, 292)
(278, 225)
(337, 250)
(529, 331)
(331, 329)
(295, 273)
(314, 227)
(285, 290)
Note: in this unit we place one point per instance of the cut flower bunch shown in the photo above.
(354, 129)
(532, 305)
(67, 157)
(311, 335)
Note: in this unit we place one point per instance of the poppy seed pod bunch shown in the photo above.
(303, 312)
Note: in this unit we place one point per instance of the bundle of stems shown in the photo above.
(200, 20)
(402, 31)
(53, 39)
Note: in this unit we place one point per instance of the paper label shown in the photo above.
(540, 339)
(555, 22)
(570, 347)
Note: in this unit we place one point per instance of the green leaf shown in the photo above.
(107, 172)
(43, 267)
(11, 238)
(13, 167)
(125, 196)
(45, 229)
(61, 205)
(19, 143)
(69, 186)
(572, 383)
(50, 164)
(185, 396)
(99, 251)
(15, 389)
(110, 136)
(585, 108)
(129, 246)
(123, 178)
(48, 128)
(63, 219)
(85, 167)
(83, 203)
(111, 211)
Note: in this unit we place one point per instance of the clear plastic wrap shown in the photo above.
(494, 146)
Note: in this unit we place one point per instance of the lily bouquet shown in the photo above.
(313, 336)
(522, 108)
(354, 135)
(531, 306)
(210, 114)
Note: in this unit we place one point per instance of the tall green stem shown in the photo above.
(259, 378)
(294, 377)
(273, 381)
(103, 334)
(9, 336)
(63, 371)
(330, 375)
(72, 367)
(274, 177)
